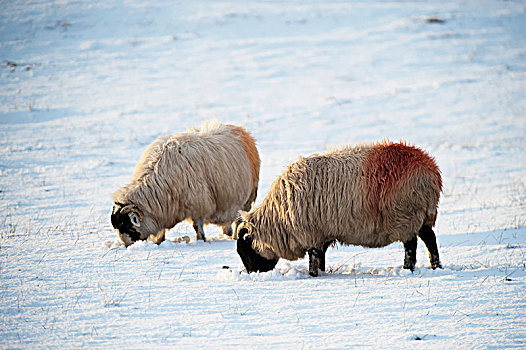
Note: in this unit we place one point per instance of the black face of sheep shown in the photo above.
(249, 256)
(126, 223)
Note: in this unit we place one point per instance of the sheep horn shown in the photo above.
(132, 208)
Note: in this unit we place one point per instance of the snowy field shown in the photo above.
(85, 86)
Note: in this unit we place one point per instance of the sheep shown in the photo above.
(205, 174)
(369, 195)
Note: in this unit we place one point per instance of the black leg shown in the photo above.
(321, 261)
(322, 256)
(410, 253)
(199, 228)
(316, 256)
(327, 245)
(227, 230)
(428, 236)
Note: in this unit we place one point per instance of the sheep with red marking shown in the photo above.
(206, 174)
(368, 195)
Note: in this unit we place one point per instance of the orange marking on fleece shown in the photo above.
(249, 144)
(390, 164)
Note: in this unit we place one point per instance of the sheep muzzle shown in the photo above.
(251, 259)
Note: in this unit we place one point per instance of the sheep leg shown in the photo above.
(199, 229)
(159, 238)
(410, 253)
(316, 257)
(427, 235)
(322, 256)
(321, 260)
(227, 230)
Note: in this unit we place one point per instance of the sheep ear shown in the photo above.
(115, 216)
(132, 208)
(243, 215)
(238, 221)
(237, 224)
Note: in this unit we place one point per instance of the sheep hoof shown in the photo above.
(436, 264)
(409, 266)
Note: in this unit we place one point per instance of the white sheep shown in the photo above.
(206, 174)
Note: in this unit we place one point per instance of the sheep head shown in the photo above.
(127, 221)
(251, 258)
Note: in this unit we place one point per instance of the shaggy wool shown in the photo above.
(211, 171)
(369, 195)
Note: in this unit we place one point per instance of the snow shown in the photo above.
(85, 86)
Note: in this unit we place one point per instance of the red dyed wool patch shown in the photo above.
(389, 164)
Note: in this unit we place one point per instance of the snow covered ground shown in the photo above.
(85, 86)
